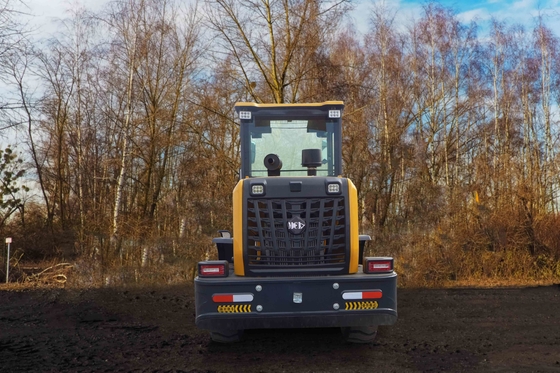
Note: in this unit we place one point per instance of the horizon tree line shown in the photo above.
(130, 138)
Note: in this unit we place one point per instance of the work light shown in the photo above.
(257, 189)
(244, 115)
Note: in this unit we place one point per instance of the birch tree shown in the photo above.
(273, 43)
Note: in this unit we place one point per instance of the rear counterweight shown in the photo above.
(293, 302)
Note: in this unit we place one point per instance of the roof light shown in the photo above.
(334, 113)
(244, 115)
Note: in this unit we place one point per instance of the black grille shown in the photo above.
(322, 244)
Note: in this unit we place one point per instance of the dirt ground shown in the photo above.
(152, 330)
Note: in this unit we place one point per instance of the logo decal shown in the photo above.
(296, 225)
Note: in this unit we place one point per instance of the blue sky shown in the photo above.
(510, 11)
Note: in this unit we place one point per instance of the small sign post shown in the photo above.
(8, 242)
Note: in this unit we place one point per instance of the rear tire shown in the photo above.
(359, 334)
(226, 336)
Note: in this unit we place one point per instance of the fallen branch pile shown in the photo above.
(56, 274)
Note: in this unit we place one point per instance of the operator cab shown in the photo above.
(290, 140)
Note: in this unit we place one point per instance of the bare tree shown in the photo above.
(11, 173)
(273, 43)
(13, 42)
(154, 44)
(548, 50)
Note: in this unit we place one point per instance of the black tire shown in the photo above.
(359, 334)
(226, 336)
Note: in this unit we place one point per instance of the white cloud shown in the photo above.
(44, 13)
(405, 13)
(524, 5)
(477, 15)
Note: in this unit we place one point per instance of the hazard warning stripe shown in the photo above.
(234, 308)
(361, 305)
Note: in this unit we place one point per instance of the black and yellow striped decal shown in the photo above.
(370, 305)
(234, 308)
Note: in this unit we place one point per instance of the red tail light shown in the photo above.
(362, 294)
(378, 265)
(214, 268)
(232, 298)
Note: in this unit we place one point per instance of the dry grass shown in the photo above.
(418, 271)
(434, 263)
(422, 260)
(22, 286)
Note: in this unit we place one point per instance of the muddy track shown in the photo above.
(152, 330)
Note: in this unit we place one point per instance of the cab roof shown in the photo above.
(299, 105)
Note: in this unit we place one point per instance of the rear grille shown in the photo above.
(322, 244)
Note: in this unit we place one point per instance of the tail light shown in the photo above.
(378, 265)
(232, 298)
(213, 268)
(362, 294)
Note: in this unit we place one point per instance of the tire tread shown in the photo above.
(226, 336)
(359, 334)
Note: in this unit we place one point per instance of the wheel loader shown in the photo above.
(295, 258)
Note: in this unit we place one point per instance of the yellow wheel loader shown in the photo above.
(295, 257)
